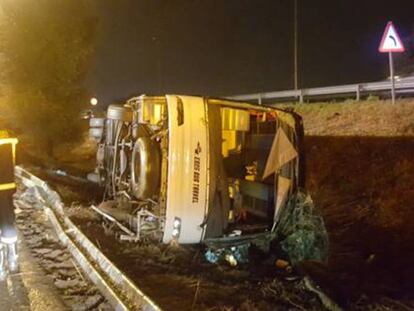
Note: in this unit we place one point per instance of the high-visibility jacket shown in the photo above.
(7, 162)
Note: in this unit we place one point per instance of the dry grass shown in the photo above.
(351, 118)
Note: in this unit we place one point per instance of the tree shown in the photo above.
(46, 49)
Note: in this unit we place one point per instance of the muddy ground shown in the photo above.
(179, 278)
(365, 189)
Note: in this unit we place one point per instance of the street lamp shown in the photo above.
(157, 43)
(94, 101)
(295, 45)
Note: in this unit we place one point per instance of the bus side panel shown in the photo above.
(187, 193)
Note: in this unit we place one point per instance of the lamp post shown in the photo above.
(157, 44)
(295, 44)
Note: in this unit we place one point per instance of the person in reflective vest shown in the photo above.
(8, 232)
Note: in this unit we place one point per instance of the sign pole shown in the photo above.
(391, 43)
(392, 78)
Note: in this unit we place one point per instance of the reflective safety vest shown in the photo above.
(7, 162)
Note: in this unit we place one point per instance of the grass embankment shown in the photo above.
(365, 118)
(360, 171)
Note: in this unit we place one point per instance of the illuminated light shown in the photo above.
(94, 101)
(8, 141)
(175, 233)
(176, 228)
(177, 223)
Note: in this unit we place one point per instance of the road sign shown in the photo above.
(391, 41)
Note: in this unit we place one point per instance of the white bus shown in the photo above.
(188, 168)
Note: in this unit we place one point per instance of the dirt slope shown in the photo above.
(360, 171)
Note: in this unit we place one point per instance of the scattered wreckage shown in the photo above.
(197, 170)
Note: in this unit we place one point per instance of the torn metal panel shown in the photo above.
(283, 186)
(281, 153)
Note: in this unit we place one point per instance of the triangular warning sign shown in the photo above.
(391, 41)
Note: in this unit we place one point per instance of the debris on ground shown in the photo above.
(301, 230)
(232, 255)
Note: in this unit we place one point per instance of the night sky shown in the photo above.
(226, 47)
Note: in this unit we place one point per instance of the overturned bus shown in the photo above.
(187, 169)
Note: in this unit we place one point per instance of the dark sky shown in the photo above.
(225, 47)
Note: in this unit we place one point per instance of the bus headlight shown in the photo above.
(176, 228)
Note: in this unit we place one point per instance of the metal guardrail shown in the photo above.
(403, 86)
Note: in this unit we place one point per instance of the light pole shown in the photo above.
(157, 43)
(295, 44)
